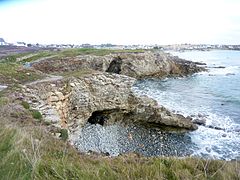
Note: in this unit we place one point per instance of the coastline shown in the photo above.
(49, 139)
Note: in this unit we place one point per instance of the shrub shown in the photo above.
(25, 105)
(36, 114)
(64, 134)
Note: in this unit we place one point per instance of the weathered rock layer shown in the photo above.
(137, 65)
(98, 98)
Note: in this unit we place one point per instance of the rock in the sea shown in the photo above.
(199, 121)
(230, 74)
(208, 149)
(224, 135)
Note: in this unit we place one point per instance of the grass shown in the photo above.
(97, 52)
(37, 56)
(25, 105)
(64, 134)
(14, 73)
(36, 114)
(28, 151)
(3, 100)
(13, 58)
(30, 57)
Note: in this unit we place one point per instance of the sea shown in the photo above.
(212, 96)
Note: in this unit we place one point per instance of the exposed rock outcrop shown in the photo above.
(98, 98)
(69, 64)
(151, 64)
(137, 65)
(51, 98)
(108, 97)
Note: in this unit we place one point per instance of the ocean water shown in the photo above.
(213, 96)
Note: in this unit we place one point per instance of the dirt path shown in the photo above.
(50, 78)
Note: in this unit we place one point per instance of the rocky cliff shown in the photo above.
(106, 98)
(151, 64)
(101, 98)
(137, 65)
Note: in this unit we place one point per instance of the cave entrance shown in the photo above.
(106, 117)
(115, 65)
(98, 117)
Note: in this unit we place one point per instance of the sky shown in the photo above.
(121, 21)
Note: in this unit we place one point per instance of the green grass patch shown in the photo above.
(13, 164)
(98, 52)
(13, 58)
(64, 134)
(3, 101)
(36, 114)
(25, 105)
(36, 56)
(15, 73)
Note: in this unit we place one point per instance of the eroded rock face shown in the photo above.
(51, 98)
(100, 92)
(137, 65)
(151, 64)
(101, 98)
(106, 98)
(69, 64)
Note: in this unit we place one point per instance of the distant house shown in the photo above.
(20, 44)
(2, 42)
(87, 46)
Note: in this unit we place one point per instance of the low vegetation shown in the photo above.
(13, 73)
(13, 69)
(36, 114)
(64, 134)
(30, 153)
(30, 57)
(97, 52)
(25, 105)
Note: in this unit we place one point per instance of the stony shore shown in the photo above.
(118, 138)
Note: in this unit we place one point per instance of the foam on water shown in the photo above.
(220, 143)
(213, 96)
(214, 143)
(231, 70)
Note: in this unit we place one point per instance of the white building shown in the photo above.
(20, 44)
(2, 42)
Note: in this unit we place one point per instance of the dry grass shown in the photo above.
(28, 151)
(33, 154)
